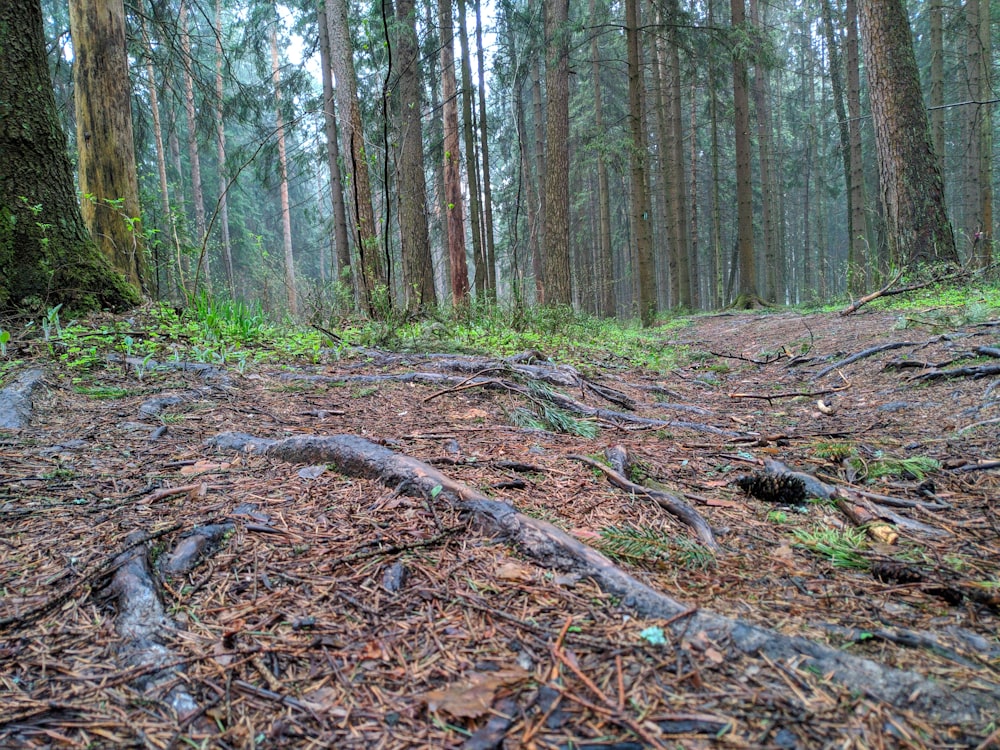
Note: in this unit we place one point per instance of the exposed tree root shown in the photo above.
(862, 355)
(552, 547)
(450, 382)
(15, 400)
(142, 620)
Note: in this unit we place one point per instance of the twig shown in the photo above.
(670, 503)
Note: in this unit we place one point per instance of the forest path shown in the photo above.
(260, 599)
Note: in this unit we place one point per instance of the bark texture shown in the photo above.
(46, 254)
(105, 148)
(558, 289)
(912, 188)
(418, 271)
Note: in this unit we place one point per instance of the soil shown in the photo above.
(159, 590)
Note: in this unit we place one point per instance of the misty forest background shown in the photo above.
(251, 177)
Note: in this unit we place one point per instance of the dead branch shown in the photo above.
(673, 504)
(972, 371)
(552, 547)
(790, 394)
(862, 355)
(883, 292)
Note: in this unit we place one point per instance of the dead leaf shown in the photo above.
(714, 656)
(515, 571)
(202, 467)
(473, 696)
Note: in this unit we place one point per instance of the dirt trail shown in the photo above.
(160, 587)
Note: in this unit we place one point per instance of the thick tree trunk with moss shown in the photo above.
(105, 148)
(46, 255)
(912, 189)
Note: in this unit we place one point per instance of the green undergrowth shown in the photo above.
(238, 335)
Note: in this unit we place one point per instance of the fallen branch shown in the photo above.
(552, 547)
(972, 371)
(883, 292)
(673, 504)
(862, 355)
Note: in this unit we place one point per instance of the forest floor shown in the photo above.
(162, 587)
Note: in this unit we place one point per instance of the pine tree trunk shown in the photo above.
(197, 194)
(371, 269)
(286, 214)
(471, 162)
(978, 196)
(773, 262)
(645, 269)
(341, 242)
(418, 271)
(484, 150)
(860, 246)
(744, 186)
(918, 227)
(220, 141)
(936, 20)
(604, 265)
(718, 268)
(162, 275)
(555, 254)
(538, 112)
(454, 209)
(46, 253)
(105, 148)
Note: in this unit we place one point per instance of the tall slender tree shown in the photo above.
(641, 220)
(340, 233)
(744, 184)
(220, 145)
(286, 217)
(418, 271)
(452, 159)
(371, 268)
(558, 288)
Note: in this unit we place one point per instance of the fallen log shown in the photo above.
(550, 546)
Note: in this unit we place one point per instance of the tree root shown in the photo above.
(550, 546)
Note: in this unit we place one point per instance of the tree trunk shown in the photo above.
(418, 271)
(912, 188)
(978, 196)
(555, 254)
(105, 148)
(744, 186)
(45, 251)
(484, 150)
(773, 262)
(286, 214)
(718, 269)
(639, 187)
(197, 194)
(471, 162)
(340, 234)
(220, 139)
(604, 265)
(371, 269)
(538, 248)
(454, 209)
(860, 247)
(162, 275)
(855, 274)
(936, 20)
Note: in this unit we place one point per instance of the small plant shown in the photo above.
(914, 467)
(842, 546)
(4, 340)
(646, 546)
(777, 516)
(833, 452)
(104, 392)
